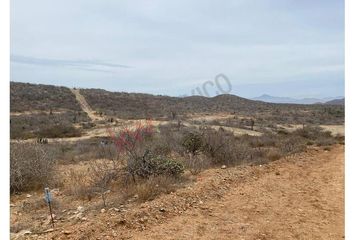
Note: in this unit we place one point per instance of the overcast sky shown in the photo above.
(280, 47)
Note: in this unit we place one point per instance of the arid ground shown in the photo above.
(299, 197)
(207, 175)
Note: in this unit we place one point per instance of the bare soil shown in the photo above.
(298, 197)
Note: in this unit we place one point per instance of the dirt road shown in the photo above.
(299, 198)
(84, 105)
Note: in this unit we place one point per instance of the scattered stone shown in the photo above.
(277, 173)
(143, 219)
(122, 221)
(136, 196)
(114, 209)
(49, 219)
(77, 216)
(80, 209)
(66, 232)
(28, 195)
(49, 230)
(162, 210)
(24, 232)
(103, 210)
(55, 191)
(223, 167)
(12, 205)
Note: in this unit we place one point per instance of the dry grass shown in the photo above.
(77, 185)
(31, 166)
(151, 188)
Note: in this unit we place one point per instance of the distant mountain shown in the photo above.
(39, 110)
(273, 99)
(340, 101)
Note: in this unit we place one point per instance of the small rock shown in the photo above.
(55, 192)
(223, 167)
(122, 221)
(49, 230)
(77, 216)
(277, 173)
(12, 205)
(80, 209)
(143, 219)
(136, 196)
(103, 210)
(24, 232)
(162, 210)
(28, 195)
(66, 232)
(49, 219)
(116, 209)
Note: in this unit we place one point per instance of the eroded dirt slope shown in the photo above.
(299, 197)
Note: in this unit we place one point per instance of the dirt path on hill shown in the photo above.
(84, 105)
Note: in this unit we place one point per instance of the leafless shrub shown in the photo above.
(222, 147)
(31, 166)
(266, 140)
(172, 135)
(102, 173)
(78, 185)
(255, 155)
(273, 155)
(152, 187)
(215, 141)
(196, 163)
(340, 139)
(291, 145)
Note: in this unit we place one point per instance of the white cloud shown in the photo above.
(179, 42)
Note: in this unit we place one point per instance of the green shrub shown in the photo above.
(152, 165)
(193, 143)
